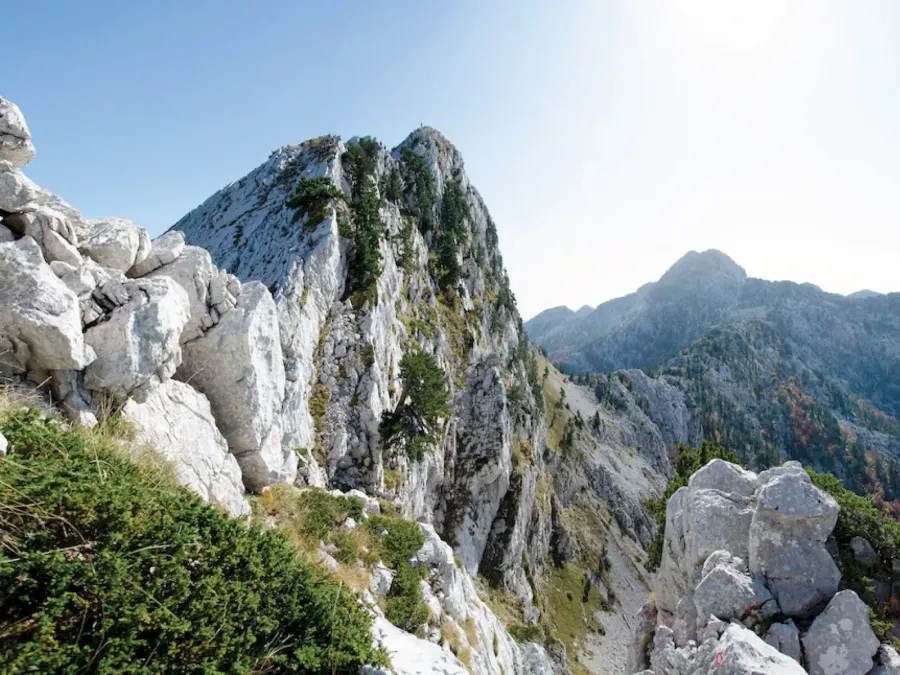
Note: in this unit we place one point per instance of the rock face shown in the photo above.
(176, 420)
(239, 366)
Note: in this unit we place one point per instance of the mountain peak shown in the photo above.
(710, 265)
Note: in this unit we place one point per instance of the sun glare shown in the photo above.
(731, 24)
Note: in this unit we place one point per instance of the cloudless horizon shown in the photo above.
(607, 138)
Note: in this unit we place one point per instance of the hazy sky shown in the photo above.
(607, 138)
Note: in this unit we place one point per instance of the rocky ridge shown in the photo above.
(241, 390)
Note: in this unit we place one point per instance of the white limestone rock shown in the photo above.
(238, 365)
(744, 653)
(4, 444)
(175, 420)
(382, 578)
(887, 661)
(840, 641)
(193, 270)
(726, 590)
(793, 515)
(17, 192)
(39, 319)
(163, 250)
(410, 655)
(786, 638)
(139, 342)
(724, 476)
(6, 235)
(699, 522)
(15, 139)
(115, 243)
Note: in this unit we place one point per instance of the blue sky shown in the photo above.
(608, 138)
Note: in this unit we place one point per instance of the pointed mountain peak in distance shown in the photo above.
(709, 266)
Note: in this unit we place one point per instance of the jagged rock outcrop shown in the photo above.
(72, 323)
(171, 417)
(697, 591)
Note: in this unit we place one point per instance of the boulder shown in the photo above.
(4, 444)
(39, 318)
(192, 270)
(641, 638)
(163, 250)
(115, 243)
(382, 578)
(863, 552)
(15, 139)
(175, 420)
(698, 522)
(78, 279)
(238, 365)
(794, 515)
(840, 640)
(742, 652)
(726, 591)
(786, 638)
(887, 662)
(69, 391)
(725, 477)
(139, 342)
(17, 192)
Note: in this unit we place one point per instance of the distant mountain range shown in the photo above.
(773, 369)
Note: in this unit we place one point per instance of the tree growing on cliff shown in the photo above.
(425, 399)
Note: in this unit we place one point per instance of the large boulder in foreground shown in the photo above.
(176, 420)
(15, 139)
(238, 365)
(17, 192)
(138, 343)
(713, 512)
(792, 521)
(40, 323)
(840, 640)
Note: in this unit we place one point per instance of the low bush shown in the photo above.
(107, 567)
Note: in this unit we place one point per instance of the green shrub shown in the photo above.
(420, 181)
(108, 568)
(365, 229)
(311, 198)
(395, 539)
(405, 608)
(425, 399)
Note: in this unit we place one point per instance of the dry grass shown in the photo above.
(451, 634)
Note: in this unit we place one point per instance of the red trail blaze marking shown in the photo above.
(720, 659)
